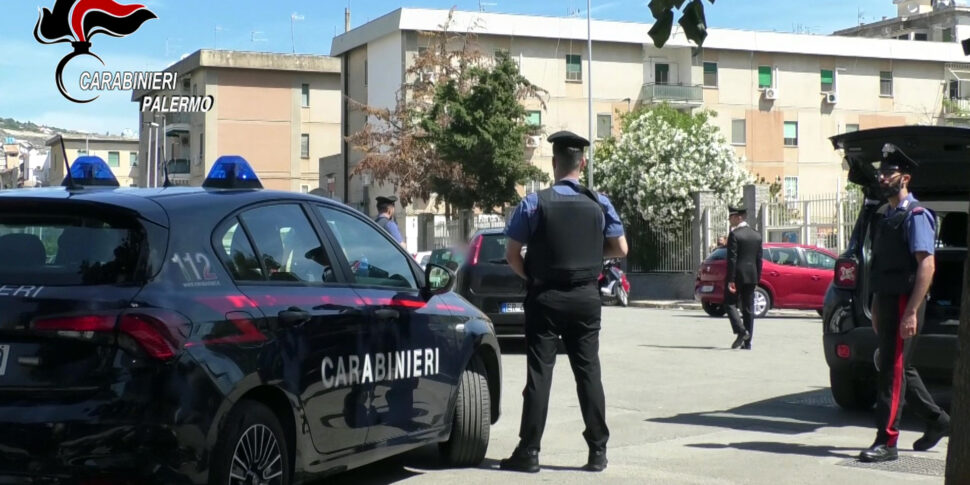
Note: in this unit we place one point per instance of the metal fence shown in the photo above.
(654, 250)
(449, 232)
(824, 220)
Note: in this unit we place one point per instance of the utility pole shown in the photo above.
(293, 18)
(592, 135)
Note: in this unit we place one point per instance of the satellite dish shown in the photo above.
(913, 8)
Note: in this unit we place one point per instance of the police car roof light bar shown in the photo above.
(90, 171)
(232, 172)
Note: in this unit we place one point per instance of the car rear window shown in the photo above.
(46, 249)
(493, 247)
(719, 254)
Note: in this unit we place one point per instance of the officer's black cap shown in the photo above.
(737, 210)
(386, 200)
(893, 158)
(568, 139)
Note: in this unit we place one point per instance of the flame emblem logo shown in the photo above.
(76, 21)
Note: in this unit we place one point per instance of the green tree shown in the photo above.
(480, 133)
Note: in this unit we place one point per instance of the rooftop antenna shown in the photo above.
(67, 166)
(293, 18)
(482, 5)
(217, 30)
(166, 182)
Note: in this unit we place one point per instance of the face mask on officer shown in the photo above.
(894, 171)
(890, 182)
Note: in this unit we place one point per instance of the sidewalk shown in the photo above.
(667, 304)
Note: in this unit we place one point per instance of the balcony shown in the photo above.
(179, 166)
(178, 123)
(672, 93)
(956, 108)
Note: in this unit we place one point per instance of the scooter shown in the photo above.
(614, 287)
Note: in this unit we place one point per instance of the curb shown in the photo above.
(670, 305)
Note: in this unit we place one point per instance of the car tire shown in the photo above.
(852, 392)
(621, 296)
(714, 309)
(760, 292)
(472, 421)
(251, 424)
(820, 312)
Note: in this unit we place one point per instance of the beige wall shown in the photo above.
(124, 172)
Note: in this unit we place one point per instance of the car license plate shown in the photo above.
(4, 353)
(512, 308)
(707, 288)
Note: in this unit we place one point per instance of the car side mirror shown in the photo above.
(438, 279)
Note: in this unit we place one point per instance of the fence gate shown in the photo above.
(654, 250)
(823, 220)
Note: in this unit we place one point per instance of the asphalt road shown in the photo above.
(683, 408)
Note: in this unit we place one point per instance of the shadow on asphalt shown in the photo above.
(792, 414)
(783, 448)
(686, 347)
(807, 316)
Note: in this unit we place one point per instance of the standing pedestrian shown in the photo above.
(900, 277)
(743, 275)
(385, 217)
(569, 230)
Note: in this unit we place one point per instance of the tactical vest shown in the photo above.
(567, 246)
(893, 268)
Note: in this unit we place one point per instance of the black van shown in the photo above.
(941, 184)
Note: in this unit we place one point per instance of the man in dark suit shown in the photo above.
(743, 275)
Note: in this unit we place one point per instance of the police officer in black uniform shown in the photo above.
(902, 270)
(569, 230)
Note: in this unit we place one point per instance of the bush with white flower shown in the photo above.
(663, 156)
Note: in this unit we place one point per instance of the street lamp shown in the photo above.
(153, 166)
(589, 70)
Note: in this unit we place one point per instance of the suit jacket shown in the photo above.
(744, 256)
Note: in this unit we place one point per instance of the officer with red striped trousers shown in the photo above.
(901, 274)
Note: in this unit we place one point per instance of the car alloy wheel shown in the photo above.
(760, 302)
(257, 459)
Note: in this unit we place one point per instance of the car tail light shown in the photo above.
(843, 351)
(475, 249)
(159, 333)
(846, 273)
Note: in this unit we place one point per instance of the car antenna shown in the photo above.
(67, 166)
(167, 183)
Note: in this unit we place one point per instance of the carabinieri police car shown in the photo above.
(224, 335)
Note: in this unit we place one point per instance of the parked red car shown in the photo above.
(792, 276)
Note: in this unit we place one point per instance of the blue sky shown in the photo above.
(28, 91)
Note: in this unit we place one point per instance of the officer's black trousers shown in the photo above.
(573, 314)
(744, 298)
(897, 377)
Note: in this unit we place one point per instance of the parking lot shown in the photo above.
(683, 408)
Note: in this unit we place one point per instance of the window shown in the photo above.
(738, 132)
(534, 118)
(710, 74)
(501, 53)
(828, 81)
(791, 133)
(237, 254)
(920, 36)
(604, 125)
(791, 188)
(82, 153)
(305, 145)
(288, 246)
(661, 73)
(331, 184)
(903, 37)
(422, 50)
(954, 89)
(574, 67)
(764, 77)
(948, 34)
(533, 186)
(306, 95)
(785, 256)
(304, 189)
(850, 127)
(365, 72)
(885, 83)
(114, 159)
(817, 260)
(374, 259)
(133, 159)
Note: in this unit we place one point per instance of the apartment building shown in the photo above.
(279, 111)
(919, 20)
(120, 153)
(778, 96)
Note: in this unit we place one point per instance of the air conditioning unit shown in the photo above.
(533, 141)
(831, 98)
(771, 93)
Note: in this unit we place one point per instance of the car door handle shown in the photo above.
(773, 273)
(294, 316)
(815, 277)
(383, 314)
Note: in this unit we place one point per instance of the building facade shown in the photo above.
(120, 153)
(778, 97)
(281, 112)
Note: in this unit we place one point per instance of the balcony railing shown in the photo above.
(956, 108)
(179, 166)
(674, 93)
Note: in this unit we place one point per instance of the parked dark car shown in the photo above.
(942, 184)
(487, 281)
(194, 335)
(793, 276)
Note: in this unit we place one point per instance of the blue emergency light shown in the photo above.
(90, 171)
(232, 172)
